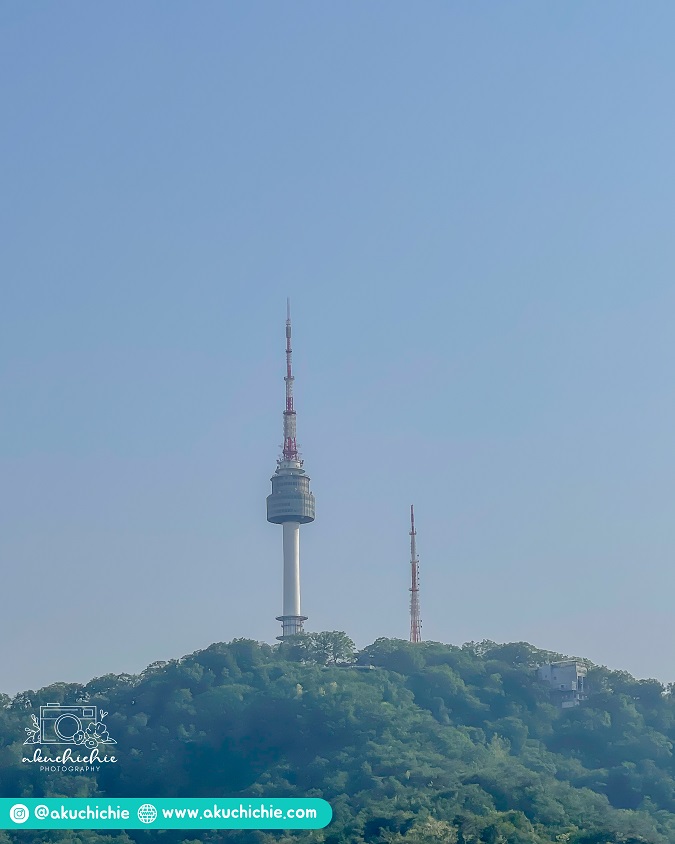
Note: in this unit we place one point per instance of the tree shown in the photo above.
(429, 831)
(327, 648)
(332, 648)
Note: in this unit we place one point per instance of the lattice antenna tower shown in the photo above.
(415, 619)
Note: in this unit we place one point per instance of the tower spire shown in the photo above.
(415, 620)
(290, 444)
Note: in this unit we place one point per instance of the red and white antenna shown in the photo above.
(415, 620)
(290, 445)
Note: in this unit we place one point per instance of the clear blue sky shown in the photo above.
(471, 206)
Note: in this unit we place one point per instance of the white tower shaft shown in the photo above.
(291, 573)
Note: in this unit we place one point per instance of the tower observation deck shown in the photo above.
(290, 504)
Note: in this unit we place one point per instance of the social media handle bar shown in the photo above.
(163, 813)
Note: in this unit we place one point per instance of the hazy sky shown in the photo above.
(472, 208)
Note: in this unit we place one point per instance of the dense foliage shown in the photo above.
(433, 743)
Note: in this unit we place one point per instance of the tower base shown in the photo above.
(291, 625)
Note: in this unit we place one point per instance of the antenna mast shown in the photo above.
(415, 620)
(290, 445)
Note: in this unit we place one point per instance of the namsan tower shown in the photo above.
(291, 504)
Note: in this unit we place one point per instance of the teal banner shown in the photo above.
(162, 813)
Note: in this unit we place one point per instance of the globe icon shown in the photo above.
(147, 813)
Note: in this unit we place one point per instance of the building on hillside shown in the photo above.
(567, 681)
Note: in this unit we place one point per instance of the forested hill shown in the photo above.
(435, 743)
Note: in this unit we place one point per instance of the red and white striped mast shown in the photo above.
(415, 620)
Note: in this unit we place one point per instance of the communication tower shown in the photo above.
(415, 620)
(291, 503)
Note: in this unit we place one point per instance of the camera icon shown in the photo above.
(58, 724)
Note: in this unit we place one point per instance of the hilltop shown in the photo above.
(434, 743)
